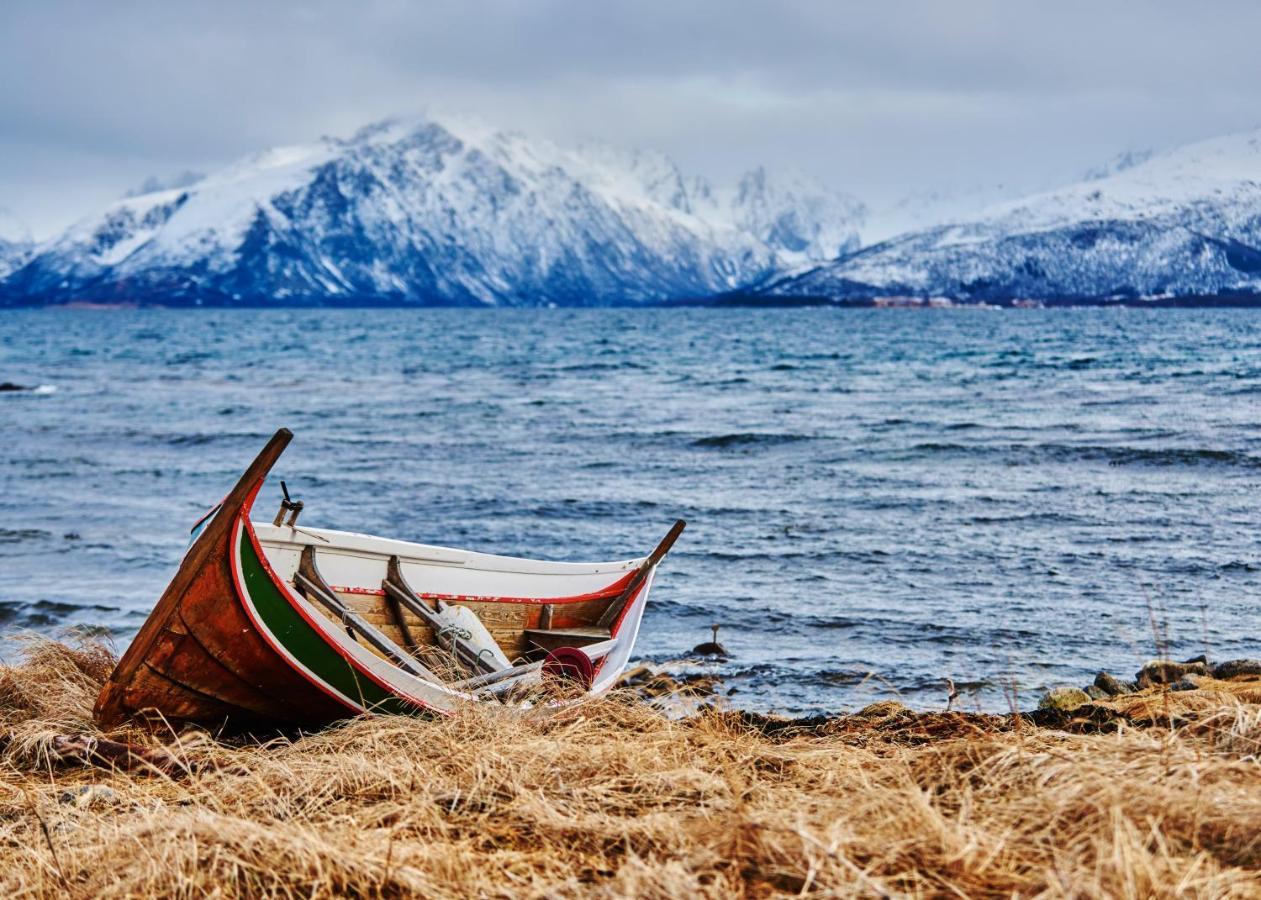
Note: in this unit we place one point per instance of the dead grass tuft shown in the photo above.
(615, 799)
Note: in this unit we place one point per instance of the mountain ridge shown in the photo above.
(1181, 224)
(417, 211)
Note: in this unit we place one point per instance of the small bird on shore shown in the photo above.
(711, 647)
(953, 695)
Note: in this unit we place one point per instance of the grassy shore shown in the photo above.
(1154, 794)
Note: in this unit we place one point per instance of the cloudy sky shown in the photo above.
(880, 99)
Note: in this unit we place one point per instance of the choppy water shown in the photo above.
(876, 499)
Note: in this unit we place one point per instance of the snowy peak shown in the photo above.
(427, 211)
(1222, 173)
(1185, 223)
(928, 209)
(154, 185)
(798, 214)
(794, 214)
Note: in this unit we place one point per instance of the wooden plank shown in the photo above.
(489, 678)
(550, 639)
(400, 624)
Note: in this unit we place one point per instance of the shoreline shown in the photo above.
(1135, 794)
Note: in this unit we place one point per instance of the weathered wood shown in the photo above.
(654, 558)
(318, 590)
(198, 657)
(400, 622)
(489, 678)
(227, 642)
(396, 586)
(208, 542)
(550, 639)
(94, 751)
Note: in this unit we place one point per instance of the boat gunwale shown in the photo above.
(322, 627)
(316, 622)
(473, 560)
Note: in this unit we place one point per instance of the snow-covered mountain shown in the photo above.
(154, 185)
(15, 242)
(928, 208)
(428, 212)
(793, 214)
(1186, 223)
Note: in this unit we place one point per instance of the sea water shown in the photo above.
(877, 500)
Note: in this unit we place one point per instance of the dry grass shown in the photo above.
(617, 800)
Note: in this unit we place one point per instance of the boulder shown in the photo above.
(1188, 683)
(1096, 693)
(1111, 686)
(1237, 668)
(1064, 699)
(1165, 671)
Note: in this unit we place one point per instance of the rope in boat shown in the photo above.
(462, 633)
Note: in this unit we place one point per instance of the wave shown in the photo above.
(1111, 455)
(43, 614)
(748, 438)
(19, 535)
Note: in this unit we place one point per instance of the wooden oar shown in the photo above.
(314, 586)
(654, 558)
(397, 589)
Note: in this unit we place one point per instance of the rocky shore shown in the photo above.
(1189, 675)
(1150, 789)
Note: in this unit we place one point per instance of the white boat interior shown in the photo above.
(459, 613)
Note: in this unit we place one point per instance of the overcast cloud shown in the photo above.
(877, 98)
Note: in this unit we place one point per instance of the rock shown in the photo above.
(635, 676)
(711, 648)
(1111, 686)
(1196, 659)
(6, 386)
(1237, 668)
(88, 795)
(1064, 699)
(1188, 683)
(1094, 692)
(881, 709)
(1164, 671)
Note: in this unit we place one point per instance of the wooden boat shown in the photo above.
(280, 625)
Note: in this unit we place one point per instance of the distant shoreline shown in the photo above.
(725, 301)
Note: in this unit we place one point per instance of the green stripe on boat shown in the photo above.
(306, 645)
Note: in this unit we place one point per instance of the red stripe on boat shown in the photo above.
(604, 593)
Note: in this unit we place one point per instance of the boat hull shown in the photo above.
(232, 643)
(209, 663)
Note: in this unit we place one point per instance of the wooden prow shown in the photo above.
(214, 535)
(654, 558)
